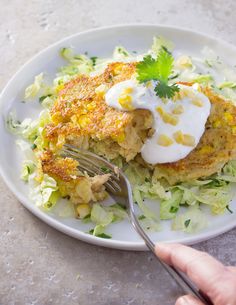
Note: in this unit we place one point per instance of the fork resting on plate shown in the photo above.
(119, 188)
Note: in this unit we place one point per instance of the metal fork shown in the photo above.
(119, 188)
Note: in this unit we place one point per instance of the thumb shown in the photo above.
(188, 300)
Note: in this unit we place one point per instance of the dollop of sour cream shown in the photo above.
(179, 123)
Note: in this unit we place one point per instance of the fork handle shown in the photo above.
(187, 286)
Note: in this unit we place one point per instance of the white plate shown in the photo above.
(100, 42)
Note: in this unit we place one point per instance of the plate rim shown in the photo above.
(109, 243)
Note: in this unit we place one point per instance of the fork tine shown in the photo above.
(80, 155)
(92, 169)
(110, 185)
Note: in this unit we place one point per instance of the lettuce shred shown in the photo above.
(215, 192)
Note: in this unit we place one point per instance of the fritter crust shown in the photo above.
(216, 147)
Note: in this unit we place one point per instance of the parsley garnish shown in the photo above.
(187, 222)
(228, 208)
(160, 70)
(173, 209)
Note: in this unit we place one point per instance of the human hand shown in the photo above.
(217, 281)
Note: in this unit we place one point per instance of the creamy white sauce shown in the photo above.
(192, 121)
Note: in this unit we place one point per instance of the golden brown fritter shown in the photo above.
(81, 117)
(216, 147)
(71, 182)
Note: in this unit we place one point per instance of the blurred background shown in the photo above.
(38, 264)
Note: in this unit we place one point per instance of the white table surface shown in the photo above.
(39, 265)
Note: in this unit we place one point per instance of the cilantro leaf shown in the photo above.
(164, 64)
(147, 69)
(159, 70)
(165, 91)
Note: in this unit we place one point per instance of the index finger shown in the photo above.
(205, 271)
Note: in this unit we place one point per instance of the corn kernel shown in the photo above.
(126, 102)
(217, 123)
(59, 88)
(184, 139)
(234, 130)
(83, 210)
(117, 70)
(60, 140)
(178, 109)
(101, 90)
(83, 121)
(56, 117)
(74, 119)
(91, 106)
(179, 137)
(189, 140)
(128, 90)
(206, 149)
(119, 137)
(167, 117)
(164, 140)
(228, 117)
(197, 102)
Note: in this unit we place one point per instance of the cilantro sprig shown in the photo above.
(160, 70)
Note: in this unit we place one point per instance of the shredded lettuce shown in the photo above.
(102, 216)
(159, 42)
(203, 79)
(169, 207)
(120, 54)
(26, 129)
(28, 167)
(45, 193)
(32, 90)
(191, 221)
(231, 85)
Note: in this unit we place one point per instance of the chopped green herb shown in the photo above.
(122, 51)
(187, 222)
(174, 209)
(141, 217)
(43, 98)
(228, 208)
(33, 146)
(160, 70)
(94, 59)
(105, 169)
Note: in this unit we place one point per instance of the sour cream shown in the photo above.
(179, 124)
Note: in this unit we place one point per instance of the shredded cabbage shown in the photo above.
(28, 167)
(102, 216)
(159, 42)
(45, 193)
(169, 207)
(32, 90)
(191, 221)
